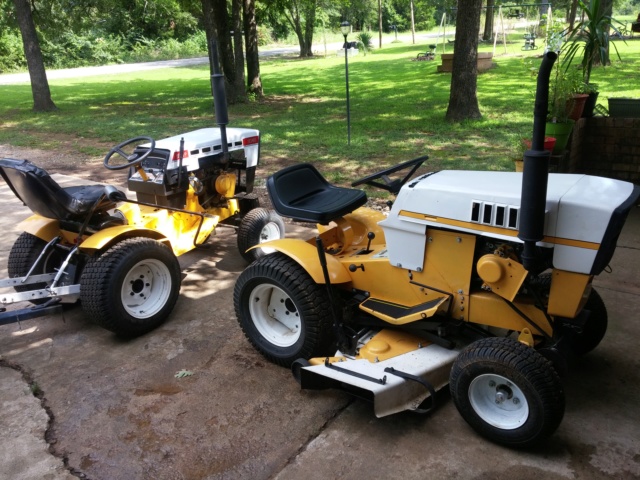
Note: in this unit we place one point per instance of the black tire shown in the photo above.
(258, 226)
(275, 283)
(248, 202)
(135, 268)
(23, 254)
(595, 327)
(507, 392)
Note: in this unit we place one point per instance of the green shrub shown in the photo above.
(626, 7)
(167, 49)
(197, 43)
(425, 25)
(364, 41)
(72, 50)
(265, 36)
(11, 53)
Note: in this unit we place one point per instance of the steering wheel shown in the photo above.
(133, 160)
(390, 185)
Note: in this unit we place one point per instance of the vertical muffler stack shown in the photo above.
(536, 171)
(219, 98)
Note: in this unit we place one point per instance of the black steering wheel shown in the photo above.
(390, 185)
(134, 159)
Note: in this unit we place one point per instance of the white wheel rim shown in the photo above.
(274, 315)
(146, 288)
(498, 401)
(269, 232)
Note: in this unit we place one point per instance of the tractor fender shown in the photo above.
(44, 228)
(47, 229)
(306, 255)
(108, 236)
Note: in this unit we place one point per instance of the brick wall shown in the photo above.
(607, 147)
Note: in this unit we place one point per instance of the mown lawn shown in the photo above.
(397, 109)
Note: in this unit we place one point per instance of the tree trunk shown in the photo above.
(413, 24)
(463, 101)
(254, 83)
(216, 23)
(237, 9)
(310, 20)
(42, 101)
(572, 14)
(305, 39)
(380, 23)
(488, 22)
(301, 15)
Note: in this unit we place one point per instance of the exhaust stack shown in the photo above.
(536, 171)
(219, 98)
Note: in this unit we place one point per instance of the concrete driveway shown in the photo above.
(114, 409)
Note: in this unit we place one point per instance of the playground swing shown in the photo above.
(428, 55)
(515, 13)
(512, 17)
(530, 41)
(531, 35)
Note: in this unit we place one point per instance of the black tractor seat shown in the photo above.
(300, 192)
(38, 191)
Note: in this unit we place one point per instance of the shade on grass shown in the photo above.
(397, 109)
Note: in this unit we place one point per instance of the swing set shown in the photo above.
(507, 18)
(515, 13)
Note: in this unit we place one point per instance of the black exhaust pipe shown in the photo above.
(219, 98)
(536, 171)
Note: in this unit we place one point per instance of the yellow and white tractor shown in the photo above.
(477, 280)
(118, 255)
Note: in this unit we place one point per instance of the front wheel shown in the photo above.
(132, 287)
(282, 311)
(507, 392)
(258, 226)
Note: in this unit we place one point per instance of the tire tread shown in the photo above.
(249, 231)
(534, 369)
(286, 272)
(96, 284)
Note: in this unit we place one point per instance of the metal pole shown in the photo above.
(346, 71)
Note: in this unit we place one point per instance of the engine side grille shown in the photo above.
(497, 215)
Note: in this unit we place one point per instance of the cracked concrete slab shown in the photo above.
(24, 452)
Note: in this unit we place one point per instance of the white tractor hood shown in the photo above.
(577, 213)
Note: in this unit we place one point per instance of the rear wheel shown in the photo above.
(131, 288)
(507, 392)
(24, 253)
(282, 311)
(595, 327)
(258, 226)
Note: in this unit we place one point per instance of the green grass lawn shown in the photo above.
(397, 109)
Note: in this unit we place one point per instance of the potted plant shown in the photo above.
(591, 89)
(589, 40)
(561, 100)
(521, 145)
(518, 148)
(579, 96)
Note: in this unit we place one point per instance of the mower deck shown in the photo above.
(395, 370)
